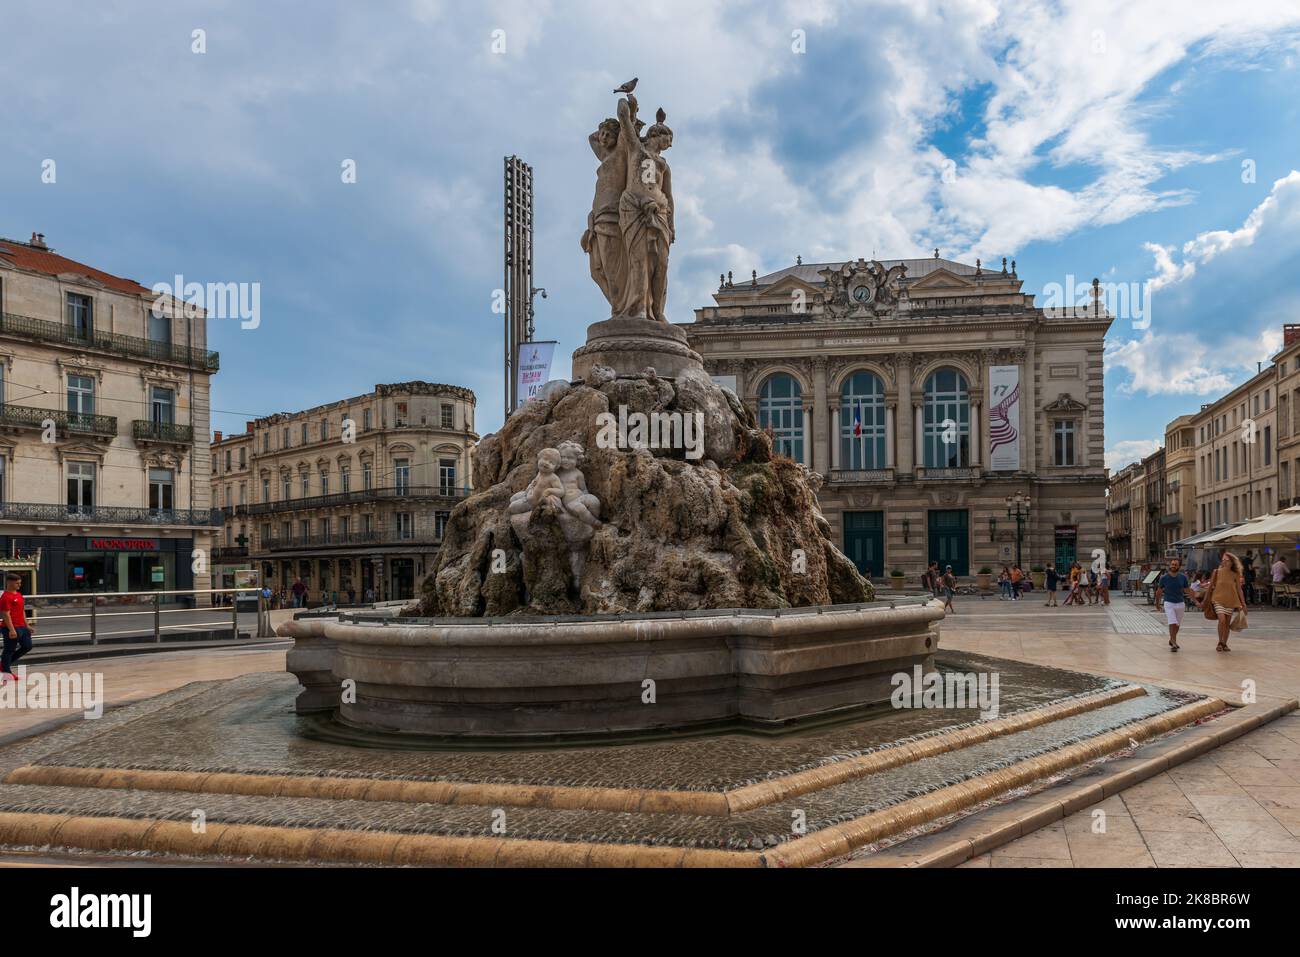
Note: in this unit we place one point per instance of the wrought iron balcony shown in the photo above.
(149, 431)
(30, 417)
(394, 493)
(376, 537)
(108, 342)
(101, 514)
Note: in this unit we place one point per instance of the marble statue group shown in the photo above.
(631, 226)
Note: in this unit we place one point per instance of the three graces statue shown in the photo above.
(630, 226)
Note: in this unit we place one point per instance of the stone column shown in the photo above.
(809, 432)
(821, 453)
(1029, 408)
(990, 359)
(889, 436)
(835, 435)
(903, 365)
(919, 433)
(975, 453)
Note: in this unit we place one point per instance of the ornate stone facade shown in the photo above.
(881, 376)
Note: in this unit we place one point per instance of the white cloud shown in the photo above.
(1219, 311)
(1170, 365)
(1131, 450)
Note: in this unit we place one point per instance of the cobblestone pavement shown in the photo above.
(1238, 806)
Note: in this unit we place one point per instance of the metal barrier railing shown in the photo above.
(152, 600)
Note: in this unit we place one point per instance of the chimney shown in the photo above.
(38, 240)
(216, 438)
(248, 427)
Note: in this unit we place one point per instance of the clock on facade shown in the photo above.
(864, 293)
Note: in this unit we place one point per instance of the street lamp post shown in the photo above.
(1018, 508)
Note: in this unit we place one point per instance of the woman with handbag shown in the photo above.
(1225, 598)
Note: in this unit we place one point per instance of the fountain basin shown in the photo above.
(617, 674)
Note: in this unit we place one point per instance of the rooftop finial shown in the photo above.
(936, 252)
(979, 267)
(1004, 265)
(798, 260)
(753, 277)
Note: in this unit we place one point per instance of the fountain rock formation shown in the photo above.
(678, 505)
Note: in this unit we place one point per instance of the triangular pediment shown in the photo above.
(787, 284)
(941, 278)
(80, 447)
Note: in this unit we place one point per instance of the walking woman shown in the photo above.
(1226, 595)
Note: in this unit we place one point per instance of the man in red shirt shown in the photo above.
(17, 636)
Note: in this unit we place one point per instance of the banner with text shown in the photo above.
(1004, 418)
(534, 368)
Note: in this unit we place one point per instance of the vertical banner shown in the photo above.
(1004, 418)
(534, 368)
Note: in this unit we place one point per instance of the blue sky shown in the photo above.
(1097, 138)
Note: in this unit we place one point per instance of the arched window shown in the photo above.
(862, 422)
(780, 408)
(947, 420)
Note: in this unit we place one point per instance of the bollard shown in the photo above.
(157, 620)
(234, 616)
(94, 640)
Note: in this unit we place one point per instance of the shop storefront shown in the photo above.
(108, 563)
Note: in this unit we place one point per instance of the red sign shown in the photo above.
(123, 544)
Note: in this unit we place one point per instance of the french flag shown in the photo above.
(857, 421)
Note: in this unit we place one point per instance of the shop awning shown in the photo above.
(1212, 535)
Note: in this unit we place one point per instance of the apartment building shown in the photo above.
(1287, 363)
(103, 426)
(1119, 516)
(1236, 453)
(355, 493)
(1178, 519)
(232, 484)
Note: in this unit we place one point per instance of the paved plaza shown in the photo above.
(1238, 806)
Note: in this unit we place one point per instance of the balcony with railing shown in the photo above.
(860, 476)
(398, 493)
(350, 539)
(146, 430)
(133, 346)
(967, 473)
(76, 423)
(40, 512)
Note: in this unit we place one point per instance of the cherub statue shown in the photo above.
(578, 502)
(546, 484)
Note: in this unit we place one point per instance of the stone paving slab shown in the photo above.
(1226, 808)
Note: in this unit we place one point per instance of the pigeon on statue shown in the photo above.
(628, 87)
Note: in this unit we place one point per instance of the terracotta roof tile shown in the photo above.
(26, 256)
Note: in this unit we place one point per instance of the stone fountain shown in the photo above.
(636, 557)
